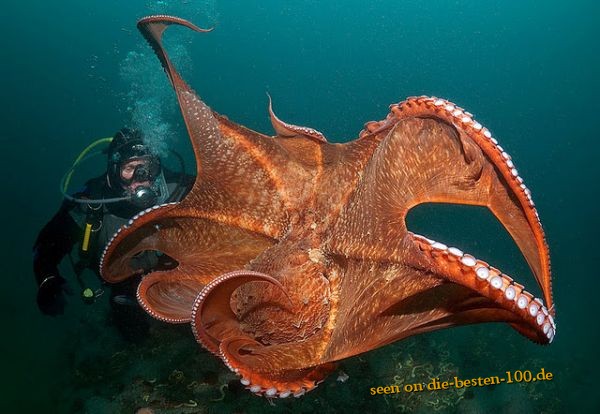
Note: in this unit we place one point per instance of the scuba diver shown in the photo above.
(134, 180)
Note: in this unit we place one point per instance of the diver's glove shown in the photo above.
(51, 295)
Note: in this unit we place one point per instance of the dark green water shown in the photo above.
(72, 71)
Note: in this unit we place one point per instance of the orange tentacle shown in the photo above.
(433, 107)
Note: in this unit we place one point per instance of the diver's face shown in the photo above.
(127, 171)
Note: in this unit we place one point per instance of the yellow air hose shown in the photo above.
(80, 157)
(88, 226)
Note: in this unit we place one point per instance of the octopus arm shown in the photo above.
(423, 157)
(169, 294)
(398, 301)
(232, 161)
(277, 369)
(285, 130)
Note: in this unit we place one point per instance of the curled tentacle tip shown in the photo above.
(267, 278)
(166, 19)
(285, 292)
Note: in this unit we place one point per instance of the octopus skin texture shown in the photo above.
(293, 253)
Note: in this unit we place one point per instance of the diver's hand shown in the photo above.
(51, 295)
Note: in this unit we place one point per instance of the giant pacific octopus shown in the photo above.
(293, 252)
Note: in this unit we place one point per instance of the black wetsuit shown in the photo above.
(66, 228)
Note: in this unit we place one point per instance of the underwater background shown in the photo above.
(74, 71)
